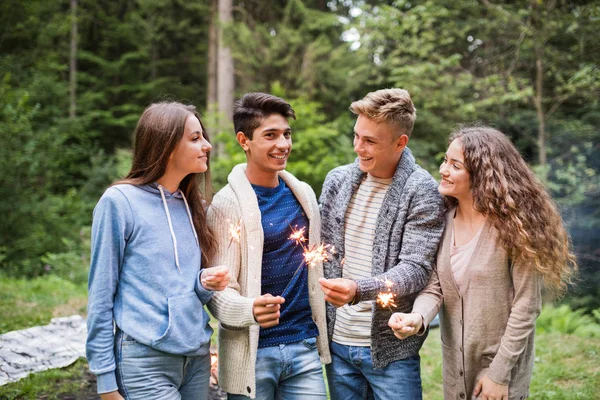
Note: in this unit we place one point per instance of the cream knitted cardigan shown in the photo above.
(238, 331)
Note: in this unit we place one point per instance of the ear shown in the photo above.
(242, 140)
(401, 143)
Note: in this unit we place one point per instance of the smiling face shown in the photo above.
(191, 153)
(378, 148)
(268, 150)
(455, 176)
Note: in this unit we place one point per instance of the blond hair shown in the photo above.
(391, 106)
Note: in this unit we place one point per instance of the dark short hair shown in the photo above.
(254, 107)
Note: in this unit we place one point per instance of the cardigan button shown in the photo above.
(461, 373)
(248, 389)
(462, 395)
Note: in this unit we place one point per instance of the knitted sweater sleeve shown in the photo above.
(423, 228)
(229, 307)
(526, 307)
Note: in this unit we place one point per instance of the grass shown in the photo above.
(26, 303)
(567, 365)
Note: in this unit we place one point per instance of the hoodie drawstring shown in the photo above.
(187, 208)
(162, 194)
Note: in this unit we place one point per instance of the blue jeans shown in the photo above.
(351, 375)
(288, 371)
(146, 373)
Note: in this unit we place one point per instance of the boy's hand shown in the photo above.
(266, 310)
(338, 291)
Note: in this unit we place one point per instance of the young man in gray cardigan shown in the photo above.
(385, 217)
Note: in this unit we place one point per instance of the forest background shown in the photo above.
(76, 74)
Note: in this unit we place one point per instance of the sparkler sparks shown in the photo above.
(311, 255)
(235, 232)
(298, 235)
(315, 254)
(387, 299)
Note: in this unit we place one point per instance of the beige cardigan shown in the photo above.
(488, 327)
(238, 331)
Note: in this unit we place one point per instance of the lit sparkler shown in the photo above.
(312, 255)
(235, 232)
(315, 254)
(387, 299)
(298, 236)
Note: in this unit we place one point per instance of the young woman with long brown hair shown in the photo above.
(149, 241)
(504, 239)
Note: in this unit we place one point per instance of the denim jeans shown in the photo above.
(146, 373)
(351, 375)
(288, 372)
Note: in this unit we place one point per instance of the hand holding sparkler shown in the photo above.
(338, 291)
(405, 325)
(266, 310)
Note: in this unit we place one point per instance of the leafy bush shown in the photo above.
(564, 320)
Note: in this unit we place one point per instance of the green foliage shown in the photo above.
(44, 177)
(301, 49)
(462, 61)
(566, 321)
(73, 264)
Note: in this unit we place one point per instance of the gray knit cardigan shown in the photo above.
(409, 227)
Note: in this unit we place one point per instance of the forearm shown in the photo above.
(203, 294)
(429, 300)
(232, 309)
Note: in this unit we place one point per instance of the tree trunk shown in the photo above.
(211, 97)
(73, 62)
(538, 30)
(224, 65)
(539, 75)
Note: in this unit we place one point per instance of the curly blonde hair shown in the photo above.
(506, 190)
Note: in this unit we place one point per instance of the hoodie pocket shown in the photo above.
(188, 327)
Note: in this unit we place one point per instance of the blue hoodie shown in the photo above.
(144, 276)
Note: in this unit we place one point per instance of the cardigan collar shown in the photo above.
(389, 209)
(247, 198)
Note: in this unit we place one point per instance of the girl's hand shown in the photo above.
(215, 278)
(111, 396)
(405, 325)
(490, 390)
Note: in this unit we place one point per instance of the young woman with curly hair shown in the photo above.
(504, 239)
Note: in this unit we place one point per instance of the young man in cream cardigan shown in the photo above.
(272, 328)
